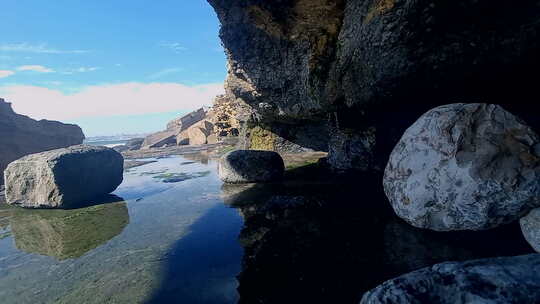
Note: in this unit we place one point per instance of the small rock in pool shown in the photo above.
(63, 178)
(250, 166)
(464, 167)
(530, 226)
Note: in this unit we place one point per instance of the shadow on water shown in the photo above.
(65, 234)
(329, 243)
(202, 266)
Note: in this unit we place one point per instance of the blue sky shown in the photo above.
(84, 61)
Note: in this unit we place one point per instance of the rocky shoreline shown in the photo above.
(406, 124)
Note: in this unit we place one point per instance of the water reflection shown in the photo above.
(65, 234)
(202, 157)
(331, 243)
(317, 240)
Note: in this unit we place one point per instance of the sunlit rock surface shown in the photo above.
(21, 135)
(63, 178)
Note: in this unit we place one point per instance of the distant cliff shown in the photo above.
(350, 75)
(21, 135)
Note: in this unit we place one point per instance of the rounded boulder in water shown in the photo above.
(464, 167)
(63, 178)
(250, 166)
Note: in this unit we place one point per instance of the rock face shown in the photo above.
(249, 166)
(171, 136)
(131, 145)
(530, 226)
(160, 139)
(188, 120)
(464, 167)
(499, 280)
(21, 135)
(63, 178)
(297, 62)
(197, 134)
(226, 116)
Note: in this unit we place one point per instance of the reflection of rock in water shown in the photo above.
(67, 234)
(201, 157)
(337, 242)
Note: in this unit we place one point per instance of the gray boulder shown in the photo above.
(530, 226)
(63, 178)
(464, 167)
(497, 280)
(250, 166)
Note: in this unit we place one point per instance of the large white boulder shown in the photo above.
(63, 178)
(530, 226)
(464, 167)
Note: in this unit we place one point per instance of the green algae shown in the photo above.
(180, 177)
(65, 234)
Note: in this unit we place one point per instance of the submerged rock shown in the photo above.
(464, 167)
(250, 166)
(530, 226)
(67, 234)
(63, 178)
(497, 280)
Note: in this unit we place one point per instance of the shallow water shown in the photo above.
(122, 252)
(178, 235)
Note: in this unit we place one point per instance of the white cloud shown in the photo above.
(105, 100)
(175, 46)
(37, 48)
(165, 72)
(35, 68)
(5, 73)
(80, 70)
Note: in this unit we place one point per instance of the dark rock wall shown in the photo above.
(377, 65)
(21, 135)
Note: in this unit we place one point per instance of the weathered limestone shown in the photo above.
(493, 281)
(63, 178)
(530, 226)
(21, 135)
(160, 139)
(250, 166)
(464, 167)
(186, 121)
(197, 134)
(172, 135)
